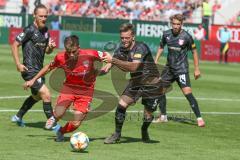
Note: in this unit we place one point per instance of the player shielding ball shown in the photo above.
(78, 88)
(134, 57)
(179, 42)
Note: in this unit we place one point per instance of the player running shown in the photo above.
(179, 42)
(78, 88)
(35, 41)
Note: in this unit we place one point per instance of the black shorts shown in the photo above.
(149, 93)
(37, 84)
(183, 79)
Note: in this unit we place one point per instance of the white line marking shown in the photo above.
(175, 98)
(170, 112)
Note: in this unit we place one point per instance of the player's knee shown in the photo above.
(186, 90)
(36, 97)
(123, 104)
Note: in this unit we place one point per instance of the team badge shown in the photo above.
(86, 63)
(180, 42)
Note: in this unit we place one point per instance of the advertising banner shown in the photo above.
(12, 20)
(63, 35)
(13, 32)
(3, 35)
(55, 35)
(235, 30)
(211, 51)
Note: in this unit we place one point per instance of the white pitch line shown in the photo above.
(169, 97)
(170, 112)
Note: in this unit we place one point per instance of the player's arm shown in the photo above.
(105, 69)
(16, 58)
(20, 39)
(160, 49)
(51, 46)
(158, 55)
(41, 73)
(192, 46)
(123, 65)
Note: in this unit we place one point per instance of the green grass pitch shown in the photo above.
(217, 92)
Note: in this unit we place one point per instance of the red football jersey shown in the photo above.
(81, 72)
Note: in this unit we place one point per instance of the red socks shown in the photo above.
(69, 127)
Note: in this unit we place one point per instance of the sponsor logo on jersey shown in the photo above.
(180, 42)
(86, 63)
(175, 48)
(137, 55)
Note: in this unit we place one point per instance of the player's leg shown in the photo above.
(45, 95)
(27, 104)
(150, 105)
(81, 108)
(221, 52)
(166, 76)
(70, 126)
(184, 83)
(120, 115)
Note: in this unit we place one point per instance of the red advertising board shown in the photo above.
(214, 36)
(210, 50)
(55, 34)
(13, 32)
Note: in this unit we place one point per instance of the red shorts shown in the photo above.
(80, 102)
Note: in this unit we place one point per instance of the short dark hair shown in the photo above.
(39, 7)
(71, 41)
(126, 27)
(178, 17)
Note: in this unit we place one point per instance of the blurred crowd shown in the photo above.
(152, 10)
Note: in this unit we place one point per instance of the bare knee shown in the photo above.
(45, 94)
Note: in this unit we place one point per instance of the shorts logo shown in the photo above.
(182, 79)
(180, 42)
(46, 35)
(39, 80)
(137, 55)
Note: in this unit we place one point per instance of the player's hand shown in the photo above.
(28, 84)
(21, 68)
(105, 69)
(107, 58)
(197, 74)
(51, 44)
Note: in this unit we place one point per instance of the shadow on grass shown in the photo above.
(184, 120)
(133, 140)
(36, 125)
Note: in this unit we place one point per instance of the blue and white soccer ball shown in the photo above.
(79, 141)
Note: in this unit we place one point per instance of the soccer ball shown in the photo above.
(79, 141)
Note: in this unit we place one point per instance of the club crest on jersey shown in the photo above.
(86, 63)
(180, 42)
(46, 35)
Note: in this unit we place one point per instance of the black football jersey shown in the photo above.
(34, 43)
(178, 47)
(141, 52)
